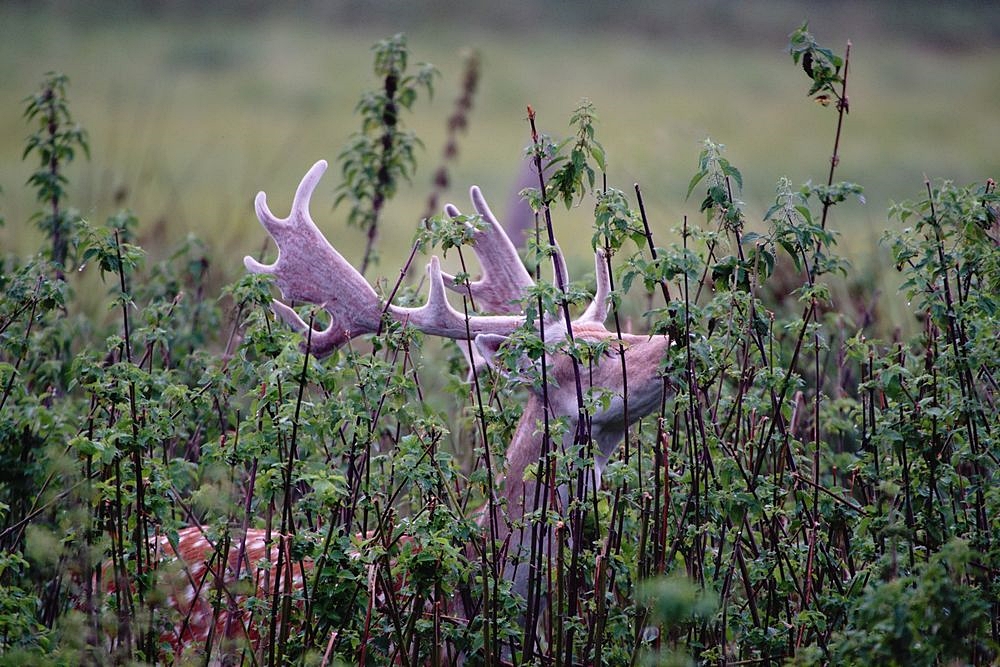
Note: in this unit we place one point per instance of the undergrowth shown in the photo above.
(809, 494)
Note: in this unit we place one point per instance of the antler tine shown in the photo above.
(309, 269)
(438, 318)
(597, 311)
(504, 280)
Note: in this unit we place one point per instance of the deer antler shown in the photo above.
(309, 269)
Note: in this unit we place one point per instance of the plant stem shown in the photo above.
(843, 107)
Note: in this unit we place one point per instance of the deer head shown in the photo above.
(309, 269)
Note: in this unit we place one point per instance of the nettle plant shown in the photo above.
(771, 483)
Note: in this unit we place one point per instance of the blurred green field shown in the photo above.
(190, 115)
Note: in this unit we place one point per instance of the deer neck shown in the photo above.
(524, 450)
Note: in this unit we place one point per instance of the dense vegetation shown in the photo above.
(810, 494)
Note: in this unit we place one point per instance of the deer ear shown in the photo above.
(488, 346)
(477, 364)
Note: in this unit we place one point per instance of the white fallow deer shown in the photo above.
(308, 269)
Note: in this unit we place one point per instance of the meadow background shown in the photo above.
(192, 108)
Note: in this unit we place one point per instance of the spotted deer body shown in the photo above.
(204, 583)
(309, 269)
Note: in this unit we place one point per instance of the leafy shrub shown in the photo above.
(809, 494)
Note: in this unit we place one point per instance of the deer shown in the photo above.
(309, 270)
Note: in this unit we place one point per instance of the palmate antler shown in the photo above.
(309, 269)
